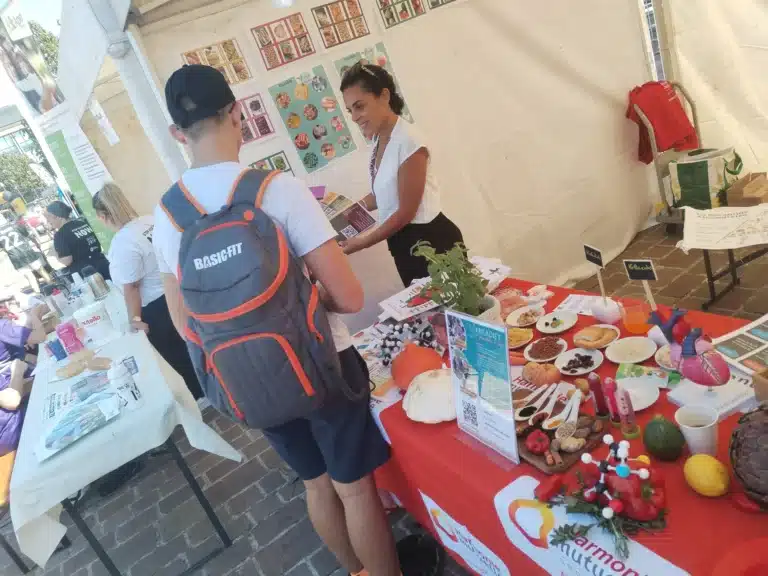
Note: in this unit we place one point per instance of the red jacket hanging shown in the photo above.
(661, 105)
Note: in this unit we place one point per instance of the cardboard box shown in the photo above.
(749, 191)
(760, 382)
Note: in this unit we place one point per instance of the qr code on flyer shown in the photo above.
(469, 413)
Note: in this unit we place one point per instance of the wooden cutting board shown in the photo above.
(540, 461)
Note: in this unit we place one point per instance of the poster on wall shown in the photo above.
(277, 161)
(283, 41)
(256, 123)
(225, 56)
(395, 12)
(340, 22)
(313, 117)
(62, 142)
(376, 54)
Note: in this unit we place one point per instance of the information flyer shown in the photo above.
(747, 348)
(313, 118)
(481, 382)
(376, 54)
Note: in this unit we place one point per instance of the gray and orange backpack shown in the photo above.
(257, 334)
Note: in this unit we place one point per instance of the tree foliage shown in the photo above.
(49, 46)
(18, 177)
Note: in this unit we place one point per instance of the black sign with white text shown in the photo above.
(640, 269)
(593, 255)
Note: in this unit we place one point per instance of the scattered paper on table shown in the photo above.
(746, 349)
(578, 303)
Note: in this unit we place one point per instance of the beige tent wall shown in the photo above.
(523, 105)
(132, 162)
(719, 52)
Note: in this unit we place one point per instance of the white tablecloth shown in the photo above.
(37, 488)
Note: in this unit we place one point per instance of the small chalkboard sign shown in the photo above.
(640, 269)
(593, 255)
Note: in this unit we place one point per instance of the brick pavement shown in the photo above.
(682, 280)
(154, 525)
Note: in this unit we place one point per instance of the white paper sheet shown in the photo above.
(725, 228)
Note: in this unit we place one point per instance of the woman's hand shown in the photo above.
(139, 326)
(352, 245)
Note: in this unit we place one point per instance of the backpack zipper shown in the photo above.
(314, 298)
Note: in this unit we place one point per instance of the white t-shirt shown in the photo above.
(403, 143)
(132, 259)
(287, 201)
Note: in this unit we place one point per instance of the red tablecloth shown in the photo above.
(436, 460)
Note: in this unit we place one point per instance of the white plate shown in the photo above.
(632, 350)
(518, 346)
(663, 360)
(568, 320)
(526, 352)
(565, 357)
(609, 327)
(643, 391)
(512, 319)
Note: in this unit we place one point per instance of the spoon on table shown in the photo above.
(528, 398)
(569, 426)
(563, 416)
(547, 410)
(522, 414)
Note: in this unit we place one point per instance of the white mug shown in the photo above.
(699, 427)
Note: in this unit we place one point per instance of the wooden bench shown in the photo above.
(6, 468)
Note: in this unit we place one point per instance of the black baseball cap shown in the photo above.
(196, 92)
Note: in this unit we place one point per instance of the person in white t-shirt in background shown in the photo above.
(336, 449)
(134, 271)
(404, 188)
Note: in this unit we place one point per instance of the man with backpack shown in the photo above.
(237, 248)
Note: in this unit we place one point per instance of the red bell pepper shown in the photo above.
(644, 500)
(537, 442)
(548, 489)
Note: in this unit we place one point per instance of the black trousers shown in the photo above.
(168, 343)
(442, 233)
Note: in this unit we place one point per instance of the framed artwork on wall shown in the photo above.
(225, 56)
(283, 41)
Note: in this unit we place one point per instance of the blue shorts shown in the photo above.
(341, 439)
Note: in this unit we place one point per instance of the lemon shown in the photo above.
(706, 475)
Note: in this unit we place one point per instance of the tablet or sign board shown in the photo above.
(640, 269)
(593, 255)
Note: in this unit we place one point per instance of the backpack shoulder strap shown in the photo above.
(181, 207)
(249, 187)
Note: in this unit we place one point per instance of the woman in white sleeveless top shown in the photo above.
(404, 188)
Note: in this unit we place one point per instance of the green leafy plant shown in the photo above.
(454, 281)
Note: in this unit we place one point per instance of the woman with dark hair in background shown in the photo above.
(403, 183)
(74, 242)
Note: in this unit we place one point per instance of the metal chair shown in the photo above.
(661, 160)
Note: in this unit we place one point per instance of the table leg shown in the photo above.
(174, 450)
(14, 555)
(710, 280)
(92, 540)
(732, 266)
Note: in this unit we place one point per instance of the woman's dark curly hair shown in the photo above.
(373, 79)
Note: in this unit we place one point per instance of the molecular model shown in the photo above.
(398, 334)
(618, 454)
